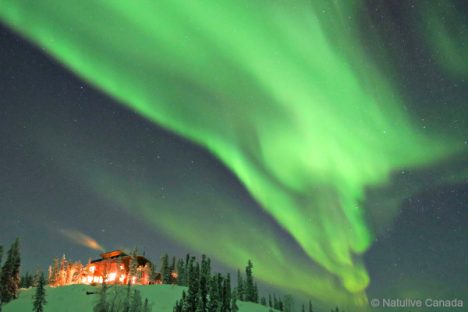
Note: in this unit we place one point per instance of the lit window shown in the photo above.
(111, 277)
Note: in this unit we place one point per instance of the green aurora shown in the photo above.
(284, 95)
(447, 35)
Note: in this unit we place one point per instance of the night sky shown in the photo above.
(357, 201)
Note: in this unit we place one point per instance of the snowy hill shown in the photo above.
(74, 299)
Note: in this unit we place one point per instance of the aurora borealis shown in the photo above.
(288, 97)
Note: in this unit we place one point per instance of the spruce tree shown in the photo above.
(240, 286)
(213, 302)
(180, 272)
(288, 303)
(101, 305)
(205, 275)
(263, 301)
(33, 280)
(178, 306)
(219, 287)
(186, 271)
(234, 307)
(127, 299)
(54, 272)
(29, 280)
(185, 304)
(226, 294)
(191, 264)
(134, 275)
(146, 306)
(200, 307)
(24, 280)
(275, 303)
(136, 303)
(303, 308)
(16, 268)
(310, 306)
(9, 278)
(249, 283)
(63, 270)
(193, 289)
(182, 302)
(270, 303)
(39, 297)
(255, 293)
(224, 303)
(165, 271)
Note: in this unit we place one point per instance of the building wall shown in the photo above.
(111, 271)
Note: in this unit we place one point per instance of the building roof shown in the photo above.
(113, 254)
(120, 254)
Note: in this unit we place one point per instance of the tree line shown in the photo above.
(10, 273)
(212, 292)
(10, 281)
(206, 291)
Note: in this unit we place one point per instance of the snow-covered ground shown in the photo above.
(74, 299)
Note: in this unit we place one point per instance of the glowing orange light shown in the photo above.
(111, 277)
(104, 271)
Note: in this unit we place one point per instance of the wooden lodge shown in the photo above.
(114, 267)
